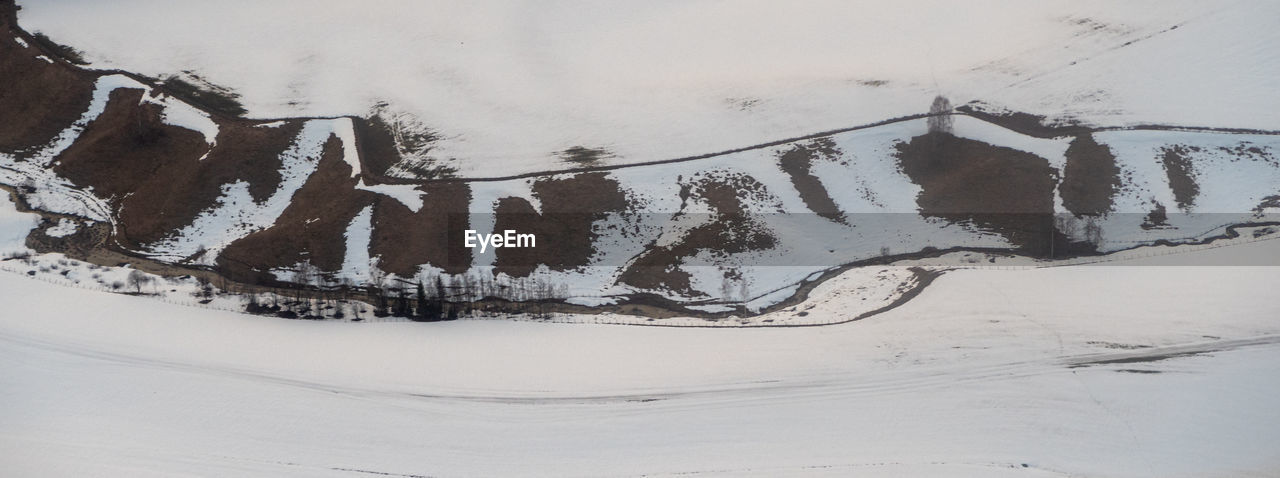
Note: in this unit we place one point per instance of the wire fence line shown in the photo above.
(26, 270)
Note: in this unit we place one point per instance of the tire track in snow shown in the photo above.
(801, 387)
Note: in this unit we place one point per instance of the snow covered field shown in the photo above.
(1073, 371)
(510, 85)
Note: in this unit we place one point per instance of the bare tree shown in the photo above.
(1093, 231)
(940, 115)
(136, 279)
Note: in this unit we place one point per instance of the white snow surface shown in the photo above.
(356, 264)
(64, 228)
(986, 373)
(14, 226)
(509, 85)
(407, 194)
(181, 114)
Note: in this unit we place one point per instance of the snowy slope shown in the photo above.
(1079, 371)
(510, 85)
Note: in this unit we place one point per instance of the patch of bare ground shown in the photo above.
(403, 239)
(153, 172)
(583, 156)
(81, 243)
(377, 145)
(124, 149)
(312, 228)
(997, 189)
(566, 238)
(395, 144)
(1025, 123)
(1157, 218)
(1182, 176)
(1268, 202)
(39, 98)
(1090, 178)
(732, 230)
(175, 194)
(797, 161)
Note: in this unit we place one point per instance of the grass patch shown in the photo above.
(583, 156)
(65, 52)
(203, 93)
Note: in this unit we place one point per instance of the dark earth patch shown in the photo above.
(312, 228)
(566, 239)
(386, 139)
(152, 172)
(732, 231)
(583, 156)
(998, 189)
(797, 161)
(183, 186)
(404, 240)
(376, 144)
(1182, 176)
(1025, 123)
(62, 51)
(1157, 218)
(39, 99)
(1090, 178)
(198, 91)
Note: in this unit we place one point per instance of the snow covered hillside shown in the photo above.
(1079, 371)
(157, 167)
(512, 86)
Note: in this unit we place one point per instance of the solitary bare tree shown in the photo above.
(136, 279)
(940, 115)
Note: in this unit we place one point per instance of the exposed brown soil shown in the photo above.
(732, 231)
(87, 237)
(796, 162)
(566, 239)
(1000, 189)
(1157, 218)
(1025, 123)
(584, 156)
(313, 227)
(39, 99)
(1090, 178)
(152, 172)
(180, 188)
(1182, 176)
(403, 239)
(377, 146)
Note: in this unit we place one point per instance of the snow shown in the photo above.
(592, 301)
(407, 194)
(14, 226)
(344, 129)
(509, 85)
(356, 263)
(986, 373)
(178, 113)
(713, 308)
(64, 228)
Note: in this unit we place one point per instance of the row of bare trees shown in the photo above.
(427, 297)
